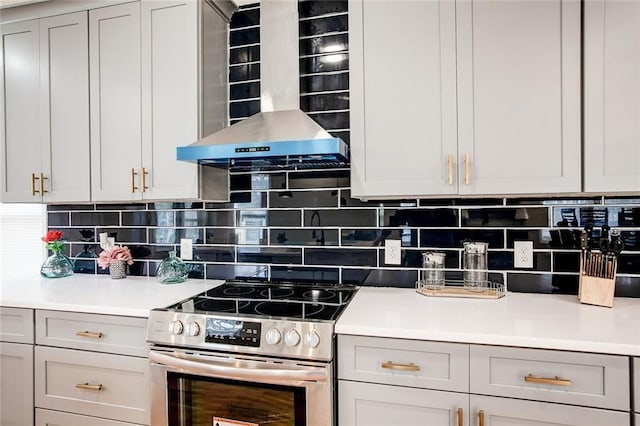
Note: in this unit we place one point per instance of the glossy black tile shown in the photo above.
(168, 205)
(332, 120)
(253, 218)
(242, 37)
(303, 274)
(69, 207)
(503, 261)
(324, 83)
(627, 287)
(328, 102)
(552, 201)
(629, 264)
(245, 72)
(622, 200)
(375, 237)
(319, 26)
(304, 237)
(240, 55)
(216, 254)
(408, 259)
(541, 237)
(330, 179)
(58, 219)
(350, 218)
(542, 283)
(380, 277)
(311, 8)
(420, 217)
(195, 218)
(628, 216)
(631, 240)
(95, 218)
(564, 238)
(227, 236)
(511, 217)
(270, 255)
(566, 262)
(126, 235)
(245, 17)
(116, 207)
(348, 201)
(85, 250)
(571, 216)
(174, 235)
(331, 256)
(441, 238)
(293, 199)
(148, 218)
(241, 91)
(243, 109)
(325, 63)
(239, 272)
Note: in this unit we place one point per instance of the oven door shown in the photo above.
(216, 389)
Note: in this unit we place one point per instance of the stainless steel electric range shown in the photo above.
(247, 353)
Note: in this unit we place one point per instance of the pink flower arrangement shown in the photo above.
(114, 253)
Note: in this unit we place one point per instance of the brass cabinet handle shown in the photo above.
(405, 367)
(133, 180)
(450, 163)
(42, 179)
(87, 386)
(92, 334)
(460, 417)
(547, 380)
(143, 177)
(481, 418)
(33, 184)
(467, 173)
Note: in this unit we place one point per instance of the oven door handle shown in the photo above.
(254, 372)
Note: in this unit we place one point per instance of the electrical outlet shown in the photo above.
(523, 254)
(392, 252)
(186, 249)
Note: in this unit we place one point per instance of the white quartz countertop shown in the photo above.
(518, 319)
(99, 294)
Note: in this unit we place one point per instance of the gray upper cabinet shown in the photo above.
(612, 96)
(487, 100)
(147, 90)
(45, 114)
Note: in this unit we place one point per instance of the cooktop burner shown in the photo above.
(279, 300)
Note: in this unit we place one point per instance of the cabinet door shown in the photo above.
(612, 96)
(16, 386)
(114, 46)
(64, 87)
(169, 97)
(518, 96)
(403, 98)
(20, 144)
(508, 412)
(367, 404)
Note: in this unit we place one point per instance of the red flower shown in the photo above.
(52, 236)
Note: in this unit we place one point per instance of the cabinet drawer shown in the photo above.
(58, 418)
(431, 365)
(574, 378)
(101, 333)
(501, 411)
(16, 384)
(367, 404)
(121, 384)
(636, 386)
(16, 325)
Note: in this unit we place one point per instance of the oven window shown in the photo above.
(197, 401)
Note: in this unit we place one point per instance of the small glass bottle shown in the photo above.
(172, 270)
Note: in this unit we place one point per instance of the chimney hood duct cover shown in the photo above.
(281, 135)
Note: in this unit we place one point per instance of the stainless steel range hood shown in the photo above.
(281, 135)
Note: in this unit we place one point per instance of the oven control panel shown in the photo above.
(298, 339)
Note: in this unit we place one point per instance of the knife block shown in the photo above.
(595, 290)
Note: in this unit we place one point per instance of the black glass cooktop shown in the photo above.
(281, 300)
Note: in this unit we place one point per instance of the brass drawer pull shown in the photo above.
(91, 334)
(547, 380)
(405, 367)
(467, 171)
(33, 184)
(87, 386)
(42, 179)
(133, 180)
(460, 417)
(143, 177)
(481, 418)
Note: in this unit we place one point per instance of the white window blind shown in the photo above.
(21, 250)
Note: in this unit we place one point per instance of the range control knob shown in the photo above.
(312, 339)
(193, 329)
(291, 338)
(176, 327)
(273, 336)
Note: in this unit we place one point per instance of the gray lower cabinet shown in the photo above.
(90, 369)
(636, 388)
(368, 404)
(16, 366)
(497, 411)
(386, 381)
